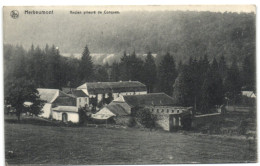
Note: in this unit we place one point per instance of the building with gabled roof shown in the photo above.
(55, 99)
(82, 97)
(111, 110)
(249, 94)
(169, 115)
(99, 91)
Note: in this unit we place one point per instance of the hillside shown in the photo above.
(184, 34)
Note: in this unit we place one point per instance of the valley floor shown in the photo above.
(47, 144)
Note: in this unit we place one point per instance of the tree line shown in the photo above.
(200, 82)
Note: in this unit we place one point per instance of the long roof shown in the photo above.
(150, 99)
(116, 87)
(49, 95)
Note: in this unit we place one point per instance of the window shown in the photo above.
(152, 109)
(172, 111)
(157, 110)
(86, 99)
(162, 110)
(177, 111)
(167, 111)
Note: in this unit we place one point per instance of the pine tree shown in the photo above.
(149, 72)
(115, 72)
(167, 74)
(86, 66)
(205, 96)
(222, 68)
(125, 67)
(135, 68)
(233, 82)
(182, 91)
(216, 84)
(249, 73)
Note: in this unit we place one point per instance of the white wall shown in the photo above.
(72, 116)
(46, 111)
(82, 101)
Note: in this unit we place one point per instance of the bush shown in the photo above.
(146, 118)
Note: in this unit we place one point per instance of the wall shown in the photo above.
(46, 111)
(163, 122)
(82, 101)
(72, 116)
(168, 109)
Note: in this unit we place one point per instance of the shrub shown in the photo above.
(146, 118)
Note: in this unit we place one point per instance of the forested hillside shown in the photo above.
(184, 34)
(202, 58)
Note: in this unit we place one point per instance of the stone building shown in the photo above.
(169, 116)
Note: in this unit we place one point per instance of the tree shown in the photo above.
(125, 67)
(100, 73)
(167, 74)
(216, 84)
(149, 72)
(20, 91)
(54, 69)
(205, 97)
(135, 68)
(86, 66)
(182, 91)
(233, 82)
(222, 68)
(249, 73)
(115, 72)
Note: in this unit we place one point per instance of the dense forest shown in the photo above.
(202, 58)
(182, 33)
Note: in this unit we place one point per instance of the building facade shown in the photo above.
(107, 91)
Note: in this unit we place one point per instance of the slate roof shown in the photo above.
(65, 101)
(48, 95)
(66, 89)
(116, 87)
(150, 99)
(56, 97)
(78, 93)
(117, 109)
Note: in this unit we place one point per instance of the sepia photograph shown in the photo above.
(120, 85)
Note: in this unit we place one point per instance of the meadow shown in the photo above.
(39, 142)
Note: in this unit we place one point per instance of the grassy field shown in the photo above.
(39, 143)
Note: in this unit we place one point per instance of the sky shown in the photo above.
(57, 28)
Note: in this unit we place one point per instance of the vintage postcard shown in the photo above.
(129, 85)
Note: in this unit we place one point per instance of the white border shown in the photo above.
(112, 2)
